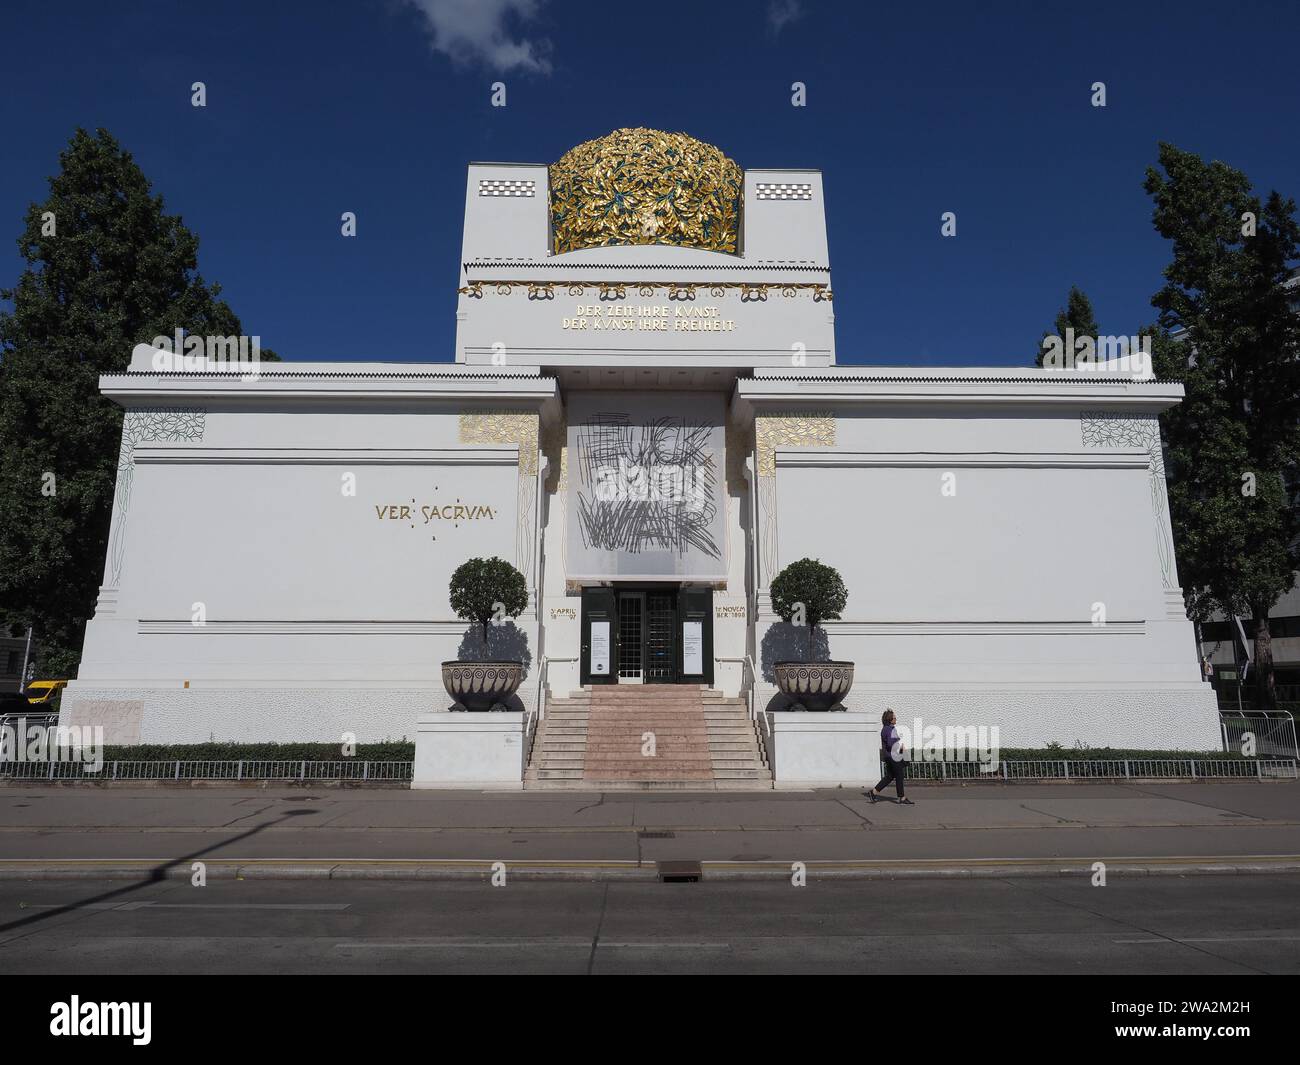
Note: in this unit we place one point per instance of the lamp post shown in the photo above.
(23, 678)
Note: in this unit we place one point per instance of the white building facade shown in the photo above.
(645, 416)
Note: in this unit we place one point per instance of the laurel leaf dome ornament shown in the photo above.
(644, 186)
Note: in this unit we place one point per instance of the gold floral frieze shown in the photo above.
(809, 429)
(645, 186)
(503, 427)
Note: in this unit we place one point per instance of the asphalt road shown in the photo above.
(1178, 926)
(1076, 821)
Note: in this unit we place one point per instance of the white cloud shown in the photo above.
(476, 31)
(780, 13)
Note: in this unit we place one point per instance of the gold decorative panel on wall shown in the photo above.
(503, 427)
(512, 427)
(809, 429)
(771, 431)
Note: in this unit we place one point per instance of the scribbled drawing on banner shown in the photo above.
(646, 479)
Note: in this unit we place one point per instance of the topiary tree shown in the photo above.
(484, 590)
(809, 592)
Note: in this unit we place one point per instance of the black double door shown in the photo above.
(636, 635)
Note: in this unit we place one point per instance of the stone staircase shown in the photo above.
(647, 737)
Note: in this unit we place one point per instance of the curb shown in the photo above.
(161, 869)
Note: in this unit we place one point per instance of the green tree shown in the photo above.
(487, 589)
(1235, 438)
(106, 269)
(1077, 315)
(808, 592)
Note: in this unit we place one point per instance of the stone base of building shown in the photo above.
(249, 715)
(470, 749)
(812, 749)
(815, 744)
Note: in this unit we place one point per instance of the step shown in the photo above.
(681, 739)
(649, 713)
(592, 740)
(647, 695)
(703, 780)
(648, 708)
(636, 758)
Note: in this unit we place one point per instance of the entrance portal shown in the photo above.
(647, 634)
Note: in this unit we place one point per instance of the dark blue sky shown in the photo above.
(913, 109)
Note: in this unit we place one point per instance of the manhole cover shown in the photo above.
(678, 872)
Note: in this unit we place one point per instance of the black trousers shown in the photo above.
(896, 771)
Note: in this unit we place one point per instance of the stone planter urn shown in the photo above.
(814, 685)
(482, 685)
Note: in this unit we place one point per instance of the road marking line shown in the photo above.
(1216, 939)
(545, 944)
(144, 904)
(584, 944)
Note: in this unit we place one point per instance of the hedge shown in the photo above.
(1102, 754)
(388, 751)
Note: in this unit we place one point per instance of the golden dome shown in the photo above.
(644, 186)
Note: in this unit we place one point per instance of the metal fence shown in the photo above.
(296, 769)
(1272, 732)
(299, 770)
(34, 720)
(1109, 769)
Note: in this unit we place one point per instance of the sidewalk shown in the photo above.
(978, 830)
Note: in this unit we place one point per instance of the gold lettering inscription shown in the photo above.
(646, 318)
(430, 512)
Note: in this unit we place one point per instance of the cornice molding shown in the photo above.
(547, 264)
(311, 456)
(306, 627)
(140, 388)
(975, 628)
(962, 460)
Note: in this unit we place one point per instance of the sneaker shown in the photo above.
(872, 796)
(906, 802)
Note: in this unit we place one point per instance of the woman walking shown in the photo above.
(891, 757)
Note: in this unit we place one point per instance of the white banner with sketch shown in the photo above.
(646, 486)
